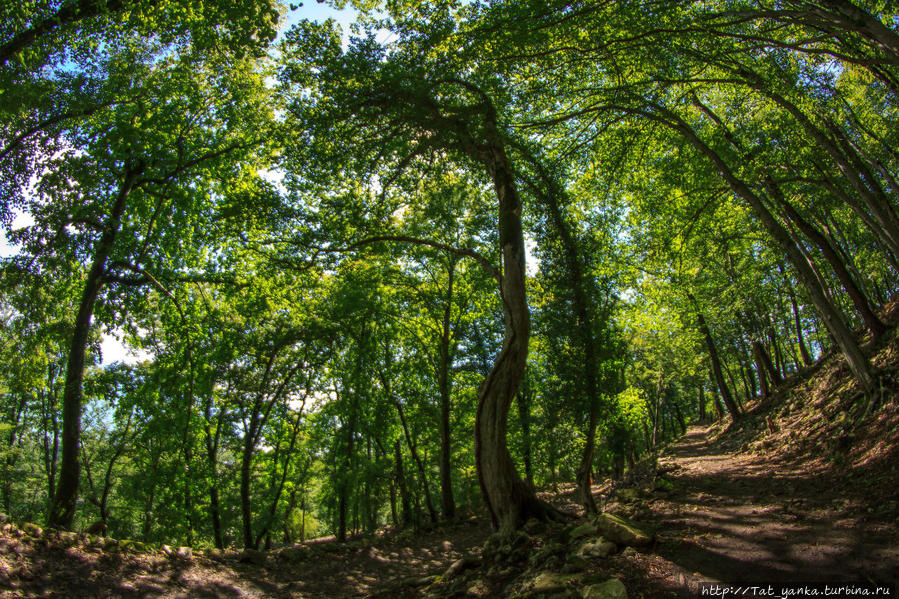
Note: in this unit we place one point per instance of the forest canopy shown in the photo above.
(424, 267)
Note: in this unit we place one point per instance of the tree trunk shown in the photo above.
(583, 313)
(875, 326)
(447, 501)
(701, 406)
(510, 500)
(62, 511)
(760, 368)
(400, 477)
(833, 319)
(524, 419)
(717, 370)
(800, 336)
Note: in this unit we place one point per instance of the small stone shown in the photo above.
(596, 549)
(166, 550)
(621, 531)
(532, 526)
(478, 588)
(629, 552)
(610, 589)
(549, 582)
(184, 552)
(584, 530)
(32, 529)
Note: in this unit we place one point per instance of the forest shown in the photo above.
(270, 278)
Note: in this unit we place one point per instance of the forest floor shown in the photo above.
(803, 488)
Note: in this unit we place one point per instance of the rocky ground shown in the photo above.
(803, 488)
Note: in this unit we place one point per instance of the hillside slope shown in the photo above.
(802, 488)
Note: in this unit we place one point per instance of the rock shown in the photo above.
(184, 552)
(584, 530)
(549, 582)
(629, 552)
(459, 565)
(610, 589)
(166, 550)
(3, 517)
(67, 538)
(478, 588)
(111, 544)
(417, 581)
(32, 530)
(532, 526)
(596, 549)
(552, 549)
(621, 531)
(573, 564)
(627, 495)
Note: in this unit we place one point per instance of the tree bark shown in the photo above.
(833, 319)
(510, 500)
(717, 371)
(524, 419)
(583, 313)
(800, 335)
(62, 511)
(875, 326)
(447, 501)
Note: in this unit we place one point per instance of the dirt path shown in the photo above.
(749, 518)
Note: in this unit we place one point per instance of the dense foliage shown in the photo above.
(387, 280)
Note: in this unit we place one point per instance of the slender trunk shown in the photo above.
(760, 368)
(766, 363)
(344, 487)
(800, 336)
(833, 319)
(747, 393)
(279, 488)
(524, 419)
(447, 501)
(717, 371)
(716, 400)
(246, 510)
(875, 326)
(10, 460)
(400, 478)
(212, 441)
(701, 407)
(585, 334)
(62, 511)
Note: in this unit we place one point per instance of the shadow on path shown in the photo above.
(748, 518)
